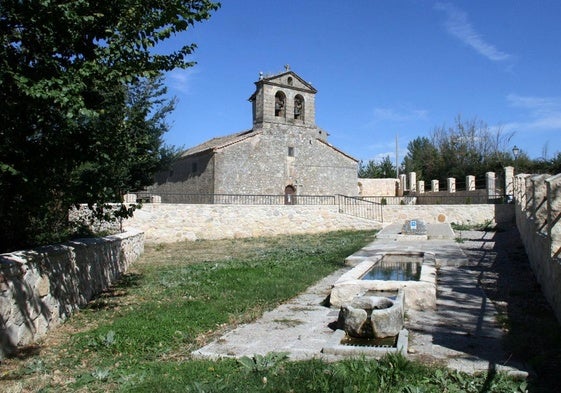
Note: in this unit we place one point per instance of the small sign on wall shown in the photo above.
(413, 225)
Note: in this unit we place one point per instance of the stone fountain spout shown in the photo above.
(372, 316)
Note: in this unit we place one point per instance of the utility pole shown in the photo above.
(396, 159)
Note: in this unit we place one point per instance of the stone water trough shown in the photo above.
(372, 298)
(418, 294)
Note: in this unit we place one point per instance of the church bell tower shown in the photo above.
(283, 98)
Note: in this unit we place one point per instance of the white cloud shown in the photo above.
(390, 114)
(458, 25)
(180, 79)
(544, 112)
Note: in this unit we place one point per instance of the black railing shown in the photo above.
(476, 197)
(460, 199)
(362, 208)
(237, 199)
(369, 202)
(391, 200)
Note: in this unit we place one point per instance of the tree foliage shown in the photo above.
(81, 120)
(374, 170)
(467, 148)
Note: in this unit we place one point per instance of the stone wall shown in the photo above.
(501, 214)
(262, 164)
(377, 187)
(176, 222)
(188, 175)
(538, 218)
(39, 288)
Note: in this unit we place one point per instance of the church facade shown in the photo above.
(284, 153)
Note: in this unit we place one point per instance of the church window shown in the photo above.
(299, 107)
(290, 80)
(290, 151)
(280, 104)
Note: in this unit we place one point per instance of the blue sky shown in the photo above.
(382, 69)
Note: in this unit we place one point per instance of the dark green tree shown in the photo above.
(423, 158)
(376, 170)
(71, 123)
(555, 164)
(467, 148)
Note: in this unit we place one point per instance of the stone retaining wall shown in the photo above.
(40, 288)
(501, 214)
(175, 222)
(538, 218)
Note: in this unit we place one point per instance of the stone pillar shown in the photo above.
(421, 186)
(520, 191)
(402, 184)
(413, 181)
(451, 184)
(470, 183)
(490, 185)
(554, 214)
(129, 198)
(539, 202)
(434, 186)
(529, 192)
(509, 180)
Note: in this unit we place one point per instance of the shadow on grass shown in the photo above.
(109, 298)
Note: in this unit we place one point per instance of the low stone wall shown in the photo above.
(377, 187)
(39, 288)
(538, 218)
(175, 222)
(164, 222)
(501, 215)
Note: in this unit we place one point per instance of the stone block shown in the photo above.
(43, 285)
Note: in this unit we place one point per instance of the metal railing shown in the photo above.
(362, 208)
(238, 199)
(465, 199)
(459, 198)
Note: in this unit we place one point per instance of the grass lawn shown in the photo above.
(138, 336)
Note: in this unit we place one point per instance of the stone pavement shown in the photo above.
(461, 333)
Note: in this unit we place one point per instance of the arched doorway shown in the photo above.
(289, 195)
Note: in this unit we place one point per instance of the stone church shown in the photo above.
(284, 153)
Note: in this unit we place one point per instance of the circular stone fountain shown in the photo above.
(372, 316)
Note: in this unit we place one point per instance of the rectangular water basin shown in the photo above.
(394, 267)
(419, 292)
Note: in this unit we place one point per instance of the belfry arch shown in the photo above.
(299, 106)
(280, 104)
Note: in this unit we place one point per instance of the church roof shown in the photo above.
(220, 142)
(225, 141)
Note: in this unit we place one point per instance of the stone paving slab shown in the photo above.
(433, 232)
(461, 333)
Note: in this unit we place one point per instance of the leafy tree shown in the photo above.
(423, 158)
(78, 83)
(374, 170)
(555, 164)
(467, 148)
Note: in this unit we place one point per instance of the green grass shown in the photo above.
(177, 297)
